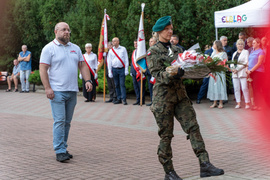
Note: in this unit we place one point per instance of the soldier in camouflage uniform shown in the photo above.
(170, 100)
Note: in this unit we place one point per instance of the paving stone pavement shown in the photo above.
(120, 142)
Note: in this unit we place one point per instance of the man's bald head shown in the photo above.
(60, 24)
(62, 32)
(115, 41)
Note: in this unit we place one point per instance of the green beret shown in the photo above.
(162, 23)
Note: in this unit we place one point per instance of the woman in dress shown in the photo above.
(239, 75)
(91, 60)
(256, 70)
(217, 82)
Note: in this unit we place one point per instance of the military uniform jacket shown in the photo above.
(166, 88)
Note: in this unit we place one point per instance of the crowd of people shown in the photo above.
(246, 57)
(246, 61)
(117, 62)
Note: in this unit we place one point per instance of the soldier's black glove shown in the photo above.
(179, 74)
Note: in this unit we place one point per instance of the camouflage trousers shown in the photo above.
(183, 111)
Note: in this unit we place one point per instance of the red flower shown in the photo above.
(208, 60)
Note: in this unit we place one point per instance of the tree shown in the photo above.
(84, 23)
(205, 14)
(32, 22)
(29, 27)
(152, 11)
(186, 27)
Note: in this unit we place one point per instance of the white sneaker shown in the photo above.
(237, 106)
(247, 107)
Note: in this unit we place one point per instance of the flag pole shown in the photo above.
(141, 88)
(104, 64)
(104, 76)
(141, 93)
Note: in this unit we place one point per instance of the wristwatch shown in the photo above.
(89, 81)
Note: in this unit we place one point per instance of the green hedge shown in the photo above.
(191, 85)
(34, 78)
(6, 63)
(129, 82)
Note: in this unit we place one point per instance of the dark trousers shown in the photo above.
(150, 86)
(137, 89)
(111, 86)
(228, 82)
(119, 81)
(184, 113)
(203, 88)
(90, 95)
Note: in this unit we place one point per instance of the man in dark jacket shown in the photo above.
(175, 41)
(227, 49)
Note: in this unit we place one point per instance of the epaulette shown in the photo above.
(151, 49)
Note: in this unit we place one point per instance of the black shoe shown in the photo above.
(62, 157)
(27, 91)
(172, 176)
(208, 169)
(21, 91)
(69, 155)
(125, 102)
(87, 100)
(118, 101)
(109, 101)
(149, 104)
(198, 101)
(136, 103)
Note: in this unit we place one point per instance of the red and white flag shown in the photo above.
(141, 48)
(103, 40)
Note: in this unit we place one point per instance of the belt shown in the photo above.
(118, 67)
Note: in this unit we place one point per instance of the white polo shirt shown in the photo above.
(63, 61)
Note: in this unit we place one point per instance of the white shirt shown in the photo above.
(91, 60)
(114, 62)
(63, 61)
(242, 59)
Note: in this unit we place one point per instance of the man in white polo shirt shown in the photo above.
(59, 63)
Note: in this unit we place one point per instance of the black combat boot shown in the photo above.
(208, 169)
(172, 176)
